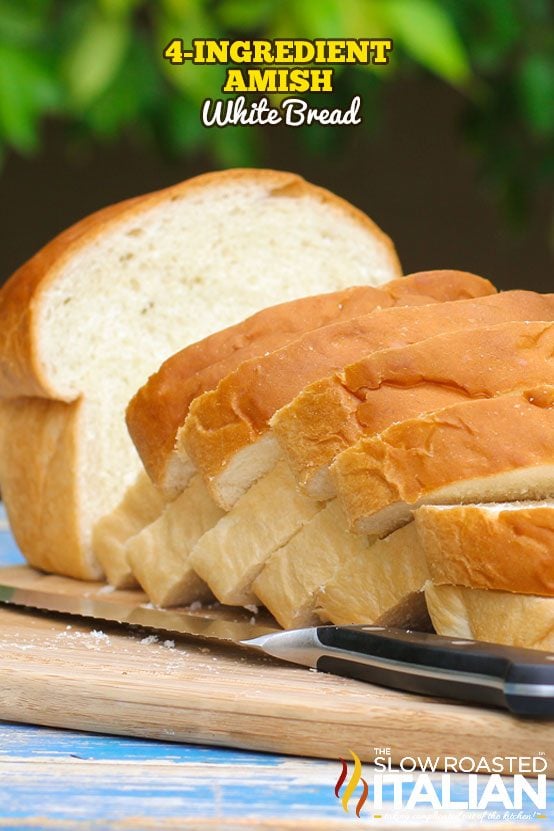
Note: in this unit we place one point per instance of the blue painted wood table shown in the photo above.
(53, 778)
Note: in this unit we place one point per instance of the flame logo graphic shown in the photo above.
(355, 780)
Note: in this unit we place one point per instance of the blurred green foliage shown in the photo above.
(97, 65)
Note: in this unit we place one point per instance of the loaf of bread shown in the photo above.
(401, 384)
(392, 385)
(219, 560)
(160, 407)
(226, 433)
(157, 410)
(92, 315)
(485, 450)
(518, 352)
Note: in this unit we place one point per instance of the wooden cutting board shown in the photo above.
(66, 672)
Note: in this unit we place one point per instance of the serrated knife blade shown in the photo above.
(203, 625)
(520, 680)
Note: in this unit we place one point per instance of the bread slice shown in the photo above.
(87, 319)
(485, 450)
(226, 433)
(293, 573)
(291, 578)
(502, 546)
(142, 504)
(394, 384)
(495, 616)
(504, 343)
(160, 407)
(159, 556)
(419, 378)
(374, 578)
(326, 573)
(416, 289)
(230, 555)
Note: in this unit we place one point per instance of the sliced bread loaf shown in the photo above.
(425, 288)
(405, 382)
(96, 311)
(160, 407)
(226, 433)
(391, 385)
(511, 345)
(485, 450)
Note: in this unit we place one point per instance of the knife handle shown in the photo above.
(521, 680)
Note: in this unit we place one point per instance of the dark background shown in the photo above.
(415, 176)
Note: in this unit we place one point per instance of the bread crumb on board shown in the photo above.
(107, 589)
(194, 607)
(90, 640)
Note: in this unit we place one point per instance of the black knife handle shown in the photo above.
(521, 680)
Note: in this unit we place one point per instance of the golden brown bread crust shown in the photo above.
(237, 412)
(38, 440)
(473, 440)
(506, 549)
(498, 617)
(396, 384)
(160, 407)
(21, 373)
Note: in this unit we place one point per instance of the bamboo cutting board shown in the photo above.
(67, 672)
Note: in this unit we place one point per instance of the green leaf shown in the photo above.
(130, 98)
(235, 146)
(196, 81)
(244, 15)
(535, 87)
(94, 59)
(27, 91)
(493, 30)
(181, 127)
(118, 8)
(315, 20)
(360, 18)
(23, 21)
(425, 31)
(181, 8)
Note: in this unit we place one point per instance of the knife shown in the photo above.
(520, 680)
